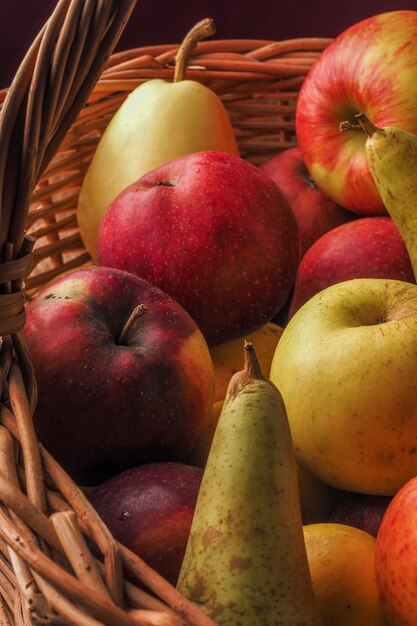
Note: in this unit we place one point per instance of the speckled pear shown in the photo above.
(245, 561)
(158, 122)
(392, 157)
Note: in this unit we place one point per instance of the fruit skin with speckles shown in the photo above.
(346, 367)
(245, 561)
(392, 159)
(149, 509)
(370, 67)
(369, 247)
(214, 232)
(107, 403)
(315, 212)
(395, 557)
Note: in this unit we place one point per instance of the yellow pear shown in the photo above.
(159, 121)
(245, 561)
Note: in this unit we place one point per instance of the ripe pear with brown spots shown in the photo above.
(246, 561)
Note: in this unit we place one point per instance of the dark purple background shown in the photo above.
(166, 21)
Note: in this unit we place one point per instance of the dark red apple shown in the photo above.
(115, 393)
(315, 212)
(213, 231)
(149, 509)
(368, 247)
(361, 511)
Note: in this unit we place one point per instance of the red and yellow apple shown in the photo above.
(213, 231)
(395, 557)
(116, 391)
(371, 67)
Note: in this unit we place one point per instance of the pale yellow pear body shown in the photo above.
(392, 157)
(158, 122)
(245, 561)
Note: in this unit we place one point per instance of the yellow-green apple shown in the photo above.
(124, 374)
(395, 557)
(360, 510)
(346, 366)
(315, 212)
(149, 509)
(371, 68)
(369, 247)
(213, 231)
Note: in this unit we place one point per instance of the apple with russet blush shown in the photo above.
(315, 212)
(149, 510)
(368, 247)
(369, 68)
(124, 374)
(214, 232)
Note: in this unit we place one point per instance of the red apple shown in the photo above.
(113, 395)
(369, 247)
(315, 212)
(371, 68)
(361, 510)
(149, 509)
(214, 232)
(396, 557)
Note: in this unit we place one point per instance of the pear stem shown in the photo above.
(251, 366)
(204, 28)
(366, 124)
(137, 312)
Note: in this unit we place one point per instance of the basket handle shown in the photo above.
(51, 86)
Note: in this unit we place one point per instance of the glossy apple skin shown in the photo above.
(396, 557)
(103, 406)
(214, 232)
(346, 367)
(315, 212)
(372, 68)
(149, 509)
(369, 247)
(360, 510)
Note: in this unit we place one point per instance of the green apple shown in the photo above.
(346, 365)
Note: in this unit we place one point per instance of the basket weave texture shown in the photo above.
(51, 120)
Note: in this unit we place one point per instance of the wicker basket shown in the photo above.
(52, 118)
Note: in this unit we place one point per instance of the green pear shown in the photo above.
(245, 561)
(392, 157)
(157, 122)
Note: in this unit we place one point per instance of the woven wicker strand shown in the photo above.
(51, 120)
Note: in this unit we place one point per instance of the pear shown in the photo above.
(245, 561)
(157, 122)
(392, 157)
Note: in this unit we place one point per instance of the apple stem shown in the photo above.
(366, 124)
(137, 312)
(363, 123)
(346, 125)
(204, 28)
